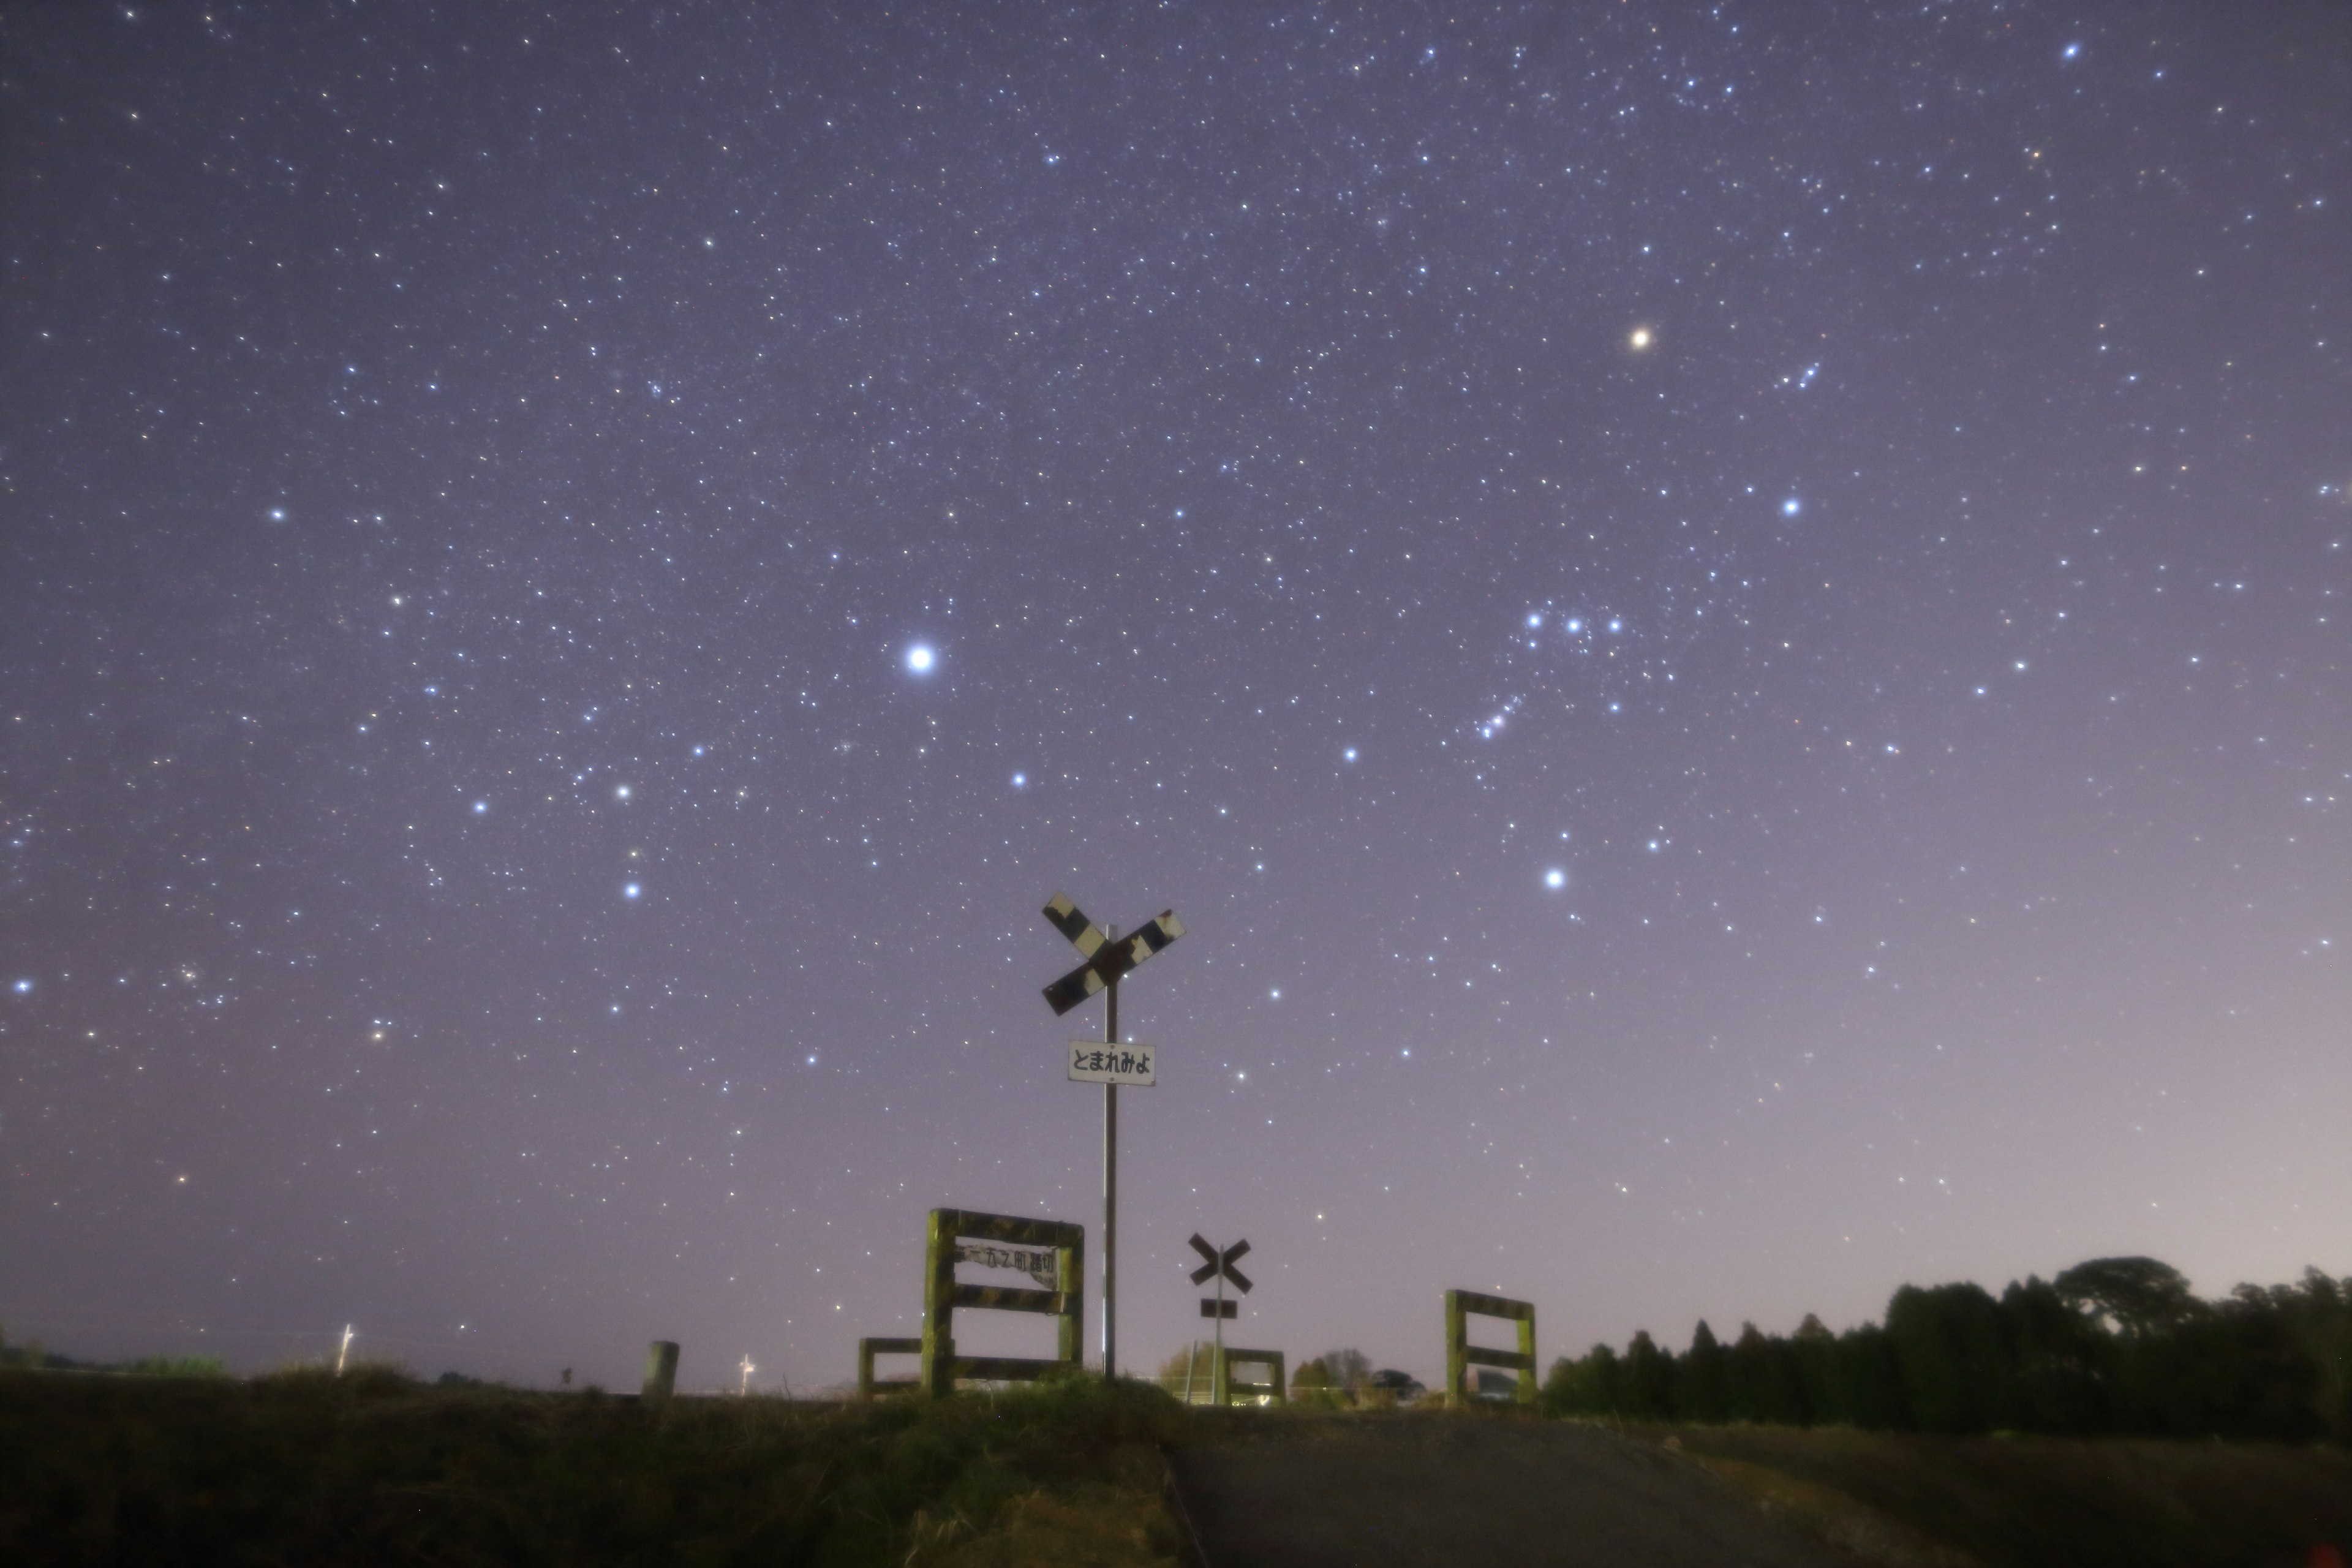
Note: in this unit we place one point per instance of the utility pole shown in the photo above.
(1110, 1185)
(343, 1351)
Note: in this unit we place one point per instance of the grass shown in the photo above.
(2037, 1502)
(375, 1467)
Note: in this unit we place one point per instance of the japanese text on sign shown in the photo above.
(1091, 1061)
(1035, 1262)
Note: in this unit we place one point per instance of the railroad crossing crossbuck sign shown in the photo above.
(1105, 960)
(1220, 1268)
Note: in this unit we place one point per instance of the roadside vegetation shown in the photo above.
(1905, 1500)
(2025, 1429)
(375, 1467)
(2117, 1346)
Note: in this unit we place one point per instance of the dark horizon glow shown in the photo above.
(1727, 629)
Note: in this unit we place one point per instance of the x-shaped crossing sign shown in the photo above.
(1106, 961)
(1221, 1263)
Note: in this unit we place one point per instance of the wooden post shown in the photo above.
(661, 1372)
(868, 1385)
(1461, 1355)
(939, 1298)
(1457, 1351)
(1070, 1279)
(941, 1295)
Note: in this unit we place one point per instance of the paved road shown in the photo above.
(1412, 1490)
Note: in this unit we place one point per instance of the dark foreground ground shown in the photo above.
(376, 1469)
(1371, 1492)
(1358, 1492)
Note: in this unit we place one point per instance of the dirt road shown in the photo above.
(1355, 1493)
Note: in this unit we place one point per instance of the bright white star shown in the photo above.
(1555, 877)
(920, 659)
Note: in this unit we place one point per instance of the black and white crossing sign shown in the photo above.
(1106, 959)
(1219, 1265)
(1091, 1061)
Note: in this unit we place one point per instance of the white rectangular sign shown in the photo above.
(1091, 1061)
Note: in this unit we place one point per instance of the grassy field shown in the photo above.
(375, 1467)
(1912, 1502)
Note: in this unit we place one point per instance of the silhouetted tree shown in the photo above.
(1958, 1374)
(1813, 1353)
(2135, 1295)
(1870, 1381)
(1349, 1368)
(1646, 1390)
(2062, 1368)
(1760, 1380)
(1583, 1387)
(1699, 1377)
(2117, 1344)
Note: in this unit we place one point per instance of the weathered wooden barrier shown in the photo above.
(868, 1385)
(1461, 1355)
(1229, 1392)
(942, 1295)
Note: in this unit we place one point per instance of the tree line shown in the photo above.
(2117, 1345)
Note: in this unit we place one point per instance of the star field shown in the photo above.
(1725, 626)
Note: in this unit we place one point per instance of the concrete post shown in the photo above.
(661, 1372)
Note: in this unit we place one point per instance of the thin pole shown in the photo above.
(1110, 1189)
(1220, 1391)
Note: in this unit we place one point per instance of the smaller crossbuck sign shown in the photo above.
(1091, 1061)
(1221, 1263)
(1105, 960)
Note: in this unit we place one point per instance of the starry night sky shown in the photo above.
(1728, 627)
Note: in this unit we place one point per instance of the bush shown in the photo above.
(300, 1466)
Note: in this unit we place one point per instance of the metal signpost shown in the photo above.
(1219, 1266)
(1105, 961)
